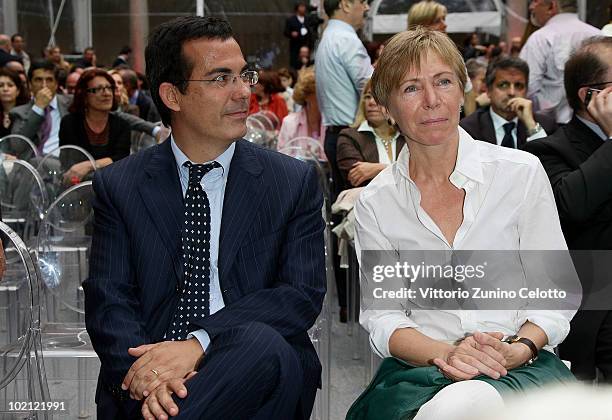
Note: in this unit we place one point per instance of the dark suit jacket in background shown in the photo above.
(480, 126)
(578, 163)
(72, 131)
(359, 146)
(146, 107)
(293, 24)
(271, 256)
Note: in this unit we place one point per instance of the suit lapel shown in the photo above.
(243, 194)
(163, 198)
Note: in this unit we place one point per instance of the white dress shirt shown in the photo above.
(498, 125)
(343, 69)
(213, 183)
(52, 142)
(383, 156)
(497, 215)
(546, 51)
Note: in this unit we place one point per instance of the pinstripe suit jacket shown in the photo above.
(271, 255)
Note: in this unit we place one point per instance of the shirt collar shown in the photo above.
(499, 121)
(467, 166)
(340, 25)
(594, 127)
(224, 159)
(365, 126)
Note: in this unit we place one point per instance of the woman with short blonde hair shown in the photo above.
(428, 13)
(447, 193)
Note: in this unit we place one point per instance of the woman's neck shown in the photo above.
(96, 119)
(7, 106)
(383, 130)
(432, 163)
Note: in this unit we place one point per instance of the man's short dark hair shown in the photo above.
(506, 63)
(298, 4)
(16, 36)
(164, 53)
(129, 77)
(331, 6)
(584, 67)
(125, 50)
(42, 64)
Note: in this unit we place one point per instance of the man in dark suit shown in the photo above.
(207, 260)
(510, 120)
(299, 34)
(39, 120)
(146, 107)
(577, 159)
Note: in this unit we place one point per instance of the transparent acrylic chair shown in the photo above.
(63, 250)
(23, 197)
(311, 144)
(54, 169)
(261, 130)
(142, 141)
(320, 333)
(22, 371)
(19, 146)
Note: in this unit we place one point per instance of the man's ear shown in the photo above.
(169, 96)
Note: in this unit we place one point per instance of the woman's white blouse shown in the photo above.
(508, 205)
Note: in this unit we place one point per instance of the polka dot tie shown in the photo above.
(194, 298)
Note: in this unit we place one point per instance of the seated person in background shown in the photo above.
(577, 159)
(39, 119)
(11, 95)
(91, 125)
(510, 118)
(307, 121)
(370, 145)
(266, 95)
(476, 72)
(444, 193)
(287, 77)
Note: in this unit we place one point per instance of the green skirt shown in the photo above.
(398, 390)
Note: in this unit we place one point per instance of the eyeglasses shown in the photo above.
(248, 77)
(99, 89)
(597, 84)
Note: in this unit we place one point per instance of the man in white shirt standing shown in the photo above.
(343, 68)
(510, 120)
(547, 50)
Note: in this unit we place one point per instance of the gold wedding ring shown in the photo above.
(155, 372)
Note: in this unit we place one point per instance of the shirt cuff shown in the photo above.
(381, 325)
(38, 110)
(201, 336)
(539, 135)
(556, 324)
(155, 130)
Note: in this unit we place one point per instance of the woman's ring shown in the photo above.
(155, 372)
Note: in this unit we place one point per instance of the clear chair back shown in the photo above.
(261, 130)
(19, 147)
(23, 196)
(54, 168)
(63, 251)
(22, 373)
(310, 144)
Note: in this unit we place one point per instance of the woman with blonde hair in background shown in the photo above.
(307, 121)
(430, 14)
(370, 145)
